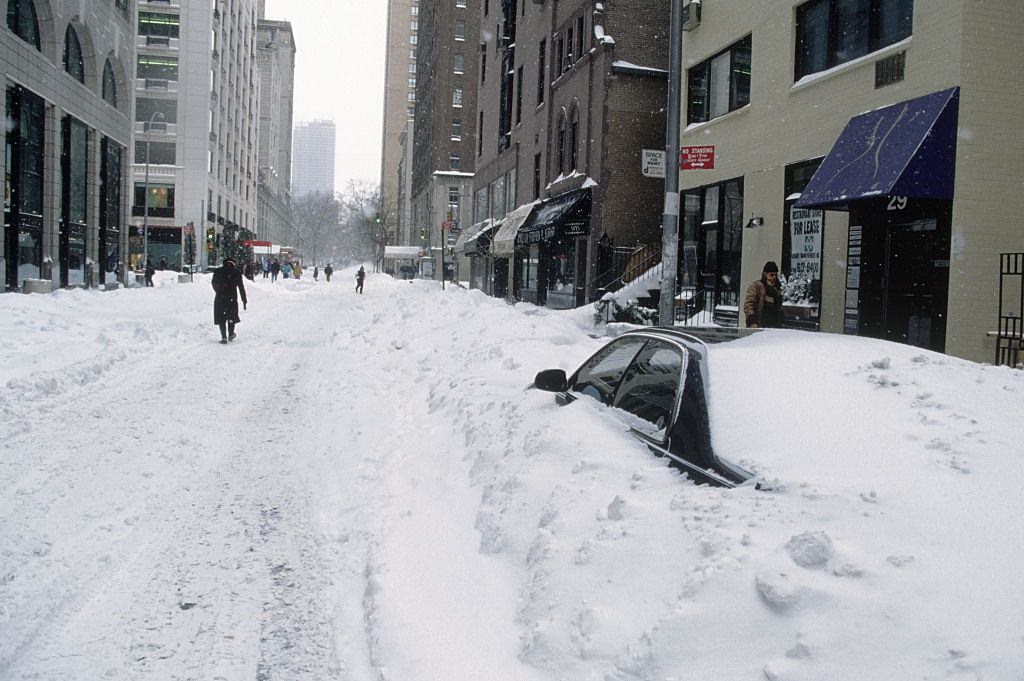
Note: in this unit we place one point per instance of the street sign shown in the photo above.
(447, 224)
(697, 158)
(257, 243)
(653, 163)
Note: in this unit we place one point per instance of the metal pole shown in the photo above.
(670, 222)
(145, 199)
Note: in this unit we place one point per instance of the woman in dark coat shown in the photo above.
(228, 287)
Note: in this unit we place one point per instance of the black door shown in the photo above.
(501, 277)
(916, 285)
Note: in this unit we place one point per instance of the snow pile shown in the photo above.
(366, 487)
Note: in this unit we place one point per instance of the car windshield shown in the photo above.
(600, 376)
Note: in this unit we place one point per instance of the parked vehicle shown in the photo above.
(656, 381)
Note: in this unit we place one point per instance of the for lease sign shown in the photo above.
(697, 158)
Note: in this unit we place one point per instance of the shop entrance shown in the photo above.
(904, 276)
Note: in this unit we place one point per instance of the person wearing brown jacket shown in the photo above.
(762, 305)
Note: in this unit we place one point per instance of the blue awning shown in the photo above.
(906, 149)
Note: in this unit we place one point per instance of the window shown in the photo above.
(453, 197)
(412, 67)
(601, 375)
(579, 37)
(110, 206)
(536, 176)
(541, 71)
(412, 39)
(412, 83)
(483, 68)
(146, 110)
(414, 10)
(158, 25)
(73, 62)
(833, 32)
(650, 389)
(158, 68)
(411, 97)
(454, 161)
(510, 191)
(160, 153)
(460, 29)
(21, 19)
(457, 96)
(574, 128)
(497, 190)
(414, 25)
(519, 95)
(459, 63)
(480, 205)
(561, 144)
(160, 196)
(480, 136)
(460, 3)
(720, 84)
(109, 85)
(456, 129)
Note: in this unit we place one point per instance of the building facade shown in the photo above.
(445, 122)
(66, 68)
(196, 122)
(276, 60)
(571, 93)
(874, 153)
(313, 158)
(400, 73)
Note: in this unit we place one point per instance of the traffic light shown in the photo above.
(377, 218)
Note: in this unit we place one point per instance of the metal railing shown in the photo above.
(1010, 328)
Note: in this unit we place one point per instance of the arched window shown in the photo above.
(21, 19)
(561, 143)
(109, 85)
(574, 137)
(73, 62)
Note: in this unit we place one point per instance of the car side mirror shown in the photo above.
(551, 380)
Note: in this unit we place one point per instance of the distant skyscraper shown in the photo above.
(399, 109)
(313, 158)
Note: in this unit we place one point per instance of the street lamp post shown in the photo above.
(145, 198)
(670, 218)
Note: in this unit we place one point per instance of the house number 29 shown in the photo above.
(897, 203)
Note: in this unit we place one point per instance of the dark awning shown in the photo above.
(477, 238)
(565, 215)
(906, 149)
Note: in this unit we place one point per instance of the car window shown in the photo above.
(602, 373)
(649, 389)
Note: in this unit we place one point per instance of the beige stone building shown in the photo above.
(874, 150)
(399, 109)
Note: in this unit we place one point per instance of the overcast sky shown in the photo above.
(339, 76)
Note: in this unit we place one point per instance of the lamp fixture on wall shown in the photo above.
(754, 222)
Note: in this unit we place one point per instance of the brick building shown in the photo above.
(571, 93)
(442, 158)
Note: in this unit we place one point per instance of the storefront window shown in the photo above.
(530, 267)
(562, 268)
(803, 231)
(110, 206)
(24, 186)
(74, 176)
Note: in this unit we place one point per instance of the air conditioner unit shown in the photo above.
(691, 15)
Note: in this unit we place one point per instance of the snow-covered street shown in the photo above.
(364, 488)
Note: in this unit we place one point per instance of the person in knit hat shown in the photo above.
(762, 305)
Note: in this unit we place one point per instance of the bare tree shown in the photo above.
(365, 220)
(316, 222)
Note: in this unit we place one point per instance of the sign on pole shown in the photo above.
(697, 158)
(653, 162)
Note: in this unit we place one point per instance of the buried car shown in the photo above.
(656, 380)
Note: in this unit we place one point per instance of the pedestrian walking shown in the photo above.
(275, 269)
(148, 273)
(297, 270)
(316, 273)
(328, 271)
(360, 277)
(163, 264)
(228, 288)
(762, 305)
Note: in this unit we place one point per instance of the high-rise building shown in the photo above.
(313, 158)
(276, 55)
(65, 68)
(399, 108)
(196, 105)
(445, 122)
